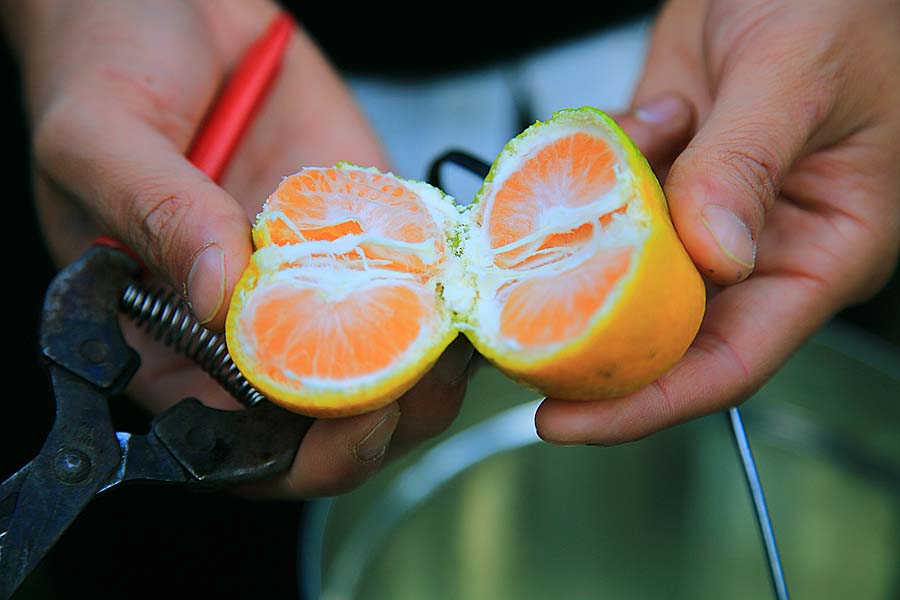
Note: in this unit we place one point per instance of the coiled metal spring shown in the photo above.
(164, 315)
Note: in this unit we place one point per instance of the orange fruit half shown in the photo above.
(565, 272)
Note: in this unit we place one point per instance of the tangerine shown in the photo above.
(565, 272)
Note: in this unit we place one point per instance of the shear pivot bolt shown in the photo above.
(71, 466)
(201, 439)
(93, 351)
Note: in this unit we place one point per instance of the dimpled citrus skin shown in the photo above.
(650, 325)
(565, 272)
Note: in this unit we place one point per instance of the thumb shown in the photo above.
(721, 187)
(140, 188)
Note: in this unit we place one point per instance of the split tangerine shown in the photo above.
(565, 272)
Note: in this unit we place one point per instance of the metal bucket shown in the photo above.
(489, 511)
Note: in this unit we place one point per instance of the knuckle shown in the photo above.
(877, 265)
(153, 99)
(732, 30)
(666, 407)
(55, 133)
(76, 118)
(156, 218)
(754, 167)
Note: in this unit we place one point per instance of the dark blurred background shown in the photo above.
(153, 541)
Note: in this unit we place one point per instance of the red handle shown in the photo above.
(235, 107)
(237, 104)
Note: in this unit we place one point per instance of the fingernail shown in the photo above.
(731, 234)
(665, 110)
(205, 286)
(375, 443)
(453, 366)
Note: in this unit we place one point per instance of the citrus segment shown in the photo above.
(565, 272)
(290, 324)
(571, 172)
(531, 307)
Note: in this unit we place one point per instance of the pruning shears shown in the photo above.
(89, 362)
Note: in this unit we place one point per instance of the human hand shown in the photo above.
(115, 93)
(787, 198)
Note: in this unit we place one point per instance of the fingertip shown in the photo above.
(214, 269)
(434, 402)
(337, 455)
(558, 422)
(205, 287)
(714, 233)
(373, 445)
(735, 248)
(660, 128)
(670, 111)
(454, 363)
(603, 422)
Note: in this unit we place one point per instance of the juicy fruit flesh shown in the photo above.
(293, 323)
(360, 279)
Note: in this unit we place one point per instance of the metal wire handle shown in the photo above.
(736, 426)
(754, 486)
(167, 317)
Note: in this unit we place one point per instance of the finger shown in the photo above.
(744, 338)
(336, 455)
(723, 184)
(433, 403)
(139, 187)
(674, 62)
(660, 128)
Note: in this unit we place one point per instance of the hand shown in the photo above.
(116, 92)
(787, 198)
